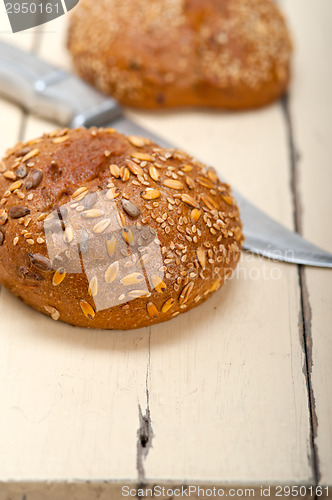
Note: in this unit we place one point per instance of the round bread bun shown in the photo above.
(231, 54)
(106, 231)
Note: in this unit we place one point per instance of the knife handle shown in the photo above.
(50, 92)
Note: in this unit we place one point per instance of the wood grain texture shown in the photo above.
(218, 395)
(239, 355)
(311, 113)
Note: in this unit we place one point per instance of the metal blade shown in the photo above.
(264, 236)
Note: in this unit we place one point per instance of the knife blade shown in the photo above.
(58, 95)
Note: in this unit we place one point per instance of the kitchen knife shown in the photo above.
(60, 96)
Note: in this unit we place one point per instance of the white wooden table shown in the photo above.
(235, 393)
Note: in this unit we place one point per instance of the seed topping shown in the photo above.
(93, 213)
(53, 312)
(167, 305)
(111, 272)
(154, 173)
(101, 226)
(151, 194)
(40, 262)
(195, 214)
(18, 211)
(173, 184)
(186, 291)
(158, 284)
(189, 200)
(152, 310)
(93, 287)
(201, 256)
(87, 309)
(58, 276)
(130, 208)
(34, 178)
(111, 246)
(132, 279)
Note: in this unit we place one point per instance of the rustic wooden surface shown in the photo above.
(237, 391)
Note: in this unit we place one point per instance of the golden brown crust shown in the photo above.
(151, 54)
(104, 231)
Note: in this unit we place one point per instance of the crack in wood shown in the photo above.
(305, 315)
(144, 432)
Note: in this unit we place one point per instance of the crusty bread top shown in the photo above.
(79, 189)
(127, 47)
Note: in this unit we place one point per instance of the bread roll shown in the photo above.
(231, 54)
(106, 231)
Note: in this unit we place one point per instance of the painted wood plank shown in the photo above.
(70, 397)
(227, 393)
(311, 111)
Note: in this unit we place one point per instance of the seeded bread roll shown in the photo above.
(155, 54)
(104, 231)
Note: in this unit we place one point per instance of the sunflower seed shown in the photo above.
(34, 178)
(101, 226)
(167, 305)
(201, 255)
(130, 208)
(2, 238)
(111, 246)
(26, 274)
(90, 200)
(158, 284)
(151, 194)
(40, 262)
(112, 272)
(18, 211)
(186, 291)
(87, 309)
(93, 213)
(93, 287)
(132, 279)
(152, 310)
(58, 276)
(21, 171)
(22, 152)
